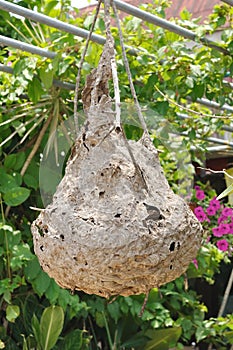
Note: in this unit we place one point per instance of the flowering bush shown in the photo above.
(216, 219)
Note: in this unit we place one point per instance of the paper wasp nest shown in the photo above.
(113, 228)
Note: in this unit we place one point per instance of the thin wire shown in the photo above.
(110, 42)
(76, 121)
(126, 63)
(189, 109)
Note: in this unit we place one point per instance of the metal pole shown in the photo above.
(212, 104)
(70, 86)
(210, 139)
(58, 83)
(52, 22)
(188, 34)
(224, 127)
(38, 17)
(6, 69)
(203, 101)
(26, 47)
(229, 2)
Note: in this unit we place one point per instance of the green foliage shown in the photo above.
(169, 77)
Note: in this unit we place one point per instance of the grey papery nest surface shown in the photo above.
(114, 227)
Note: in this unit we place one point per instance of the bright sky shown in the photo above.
(82, 3)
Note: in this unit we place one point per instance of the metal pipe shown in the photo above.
(6, 69)
(224, 127)
(70, 86)
(26, 47)
(52, 22)
(218, 149)
(210, 139)
(38, 17)
(172, 27)
(229, 2)
(58, 83)
(212, 104)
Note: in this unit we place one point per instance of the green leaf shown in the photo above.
(10, 161)
(35, 90)
(14, 161)
(32, 270)
(50, 6)
(46, 77)
(73, 341)
(52, 292)
(25, 346)
(20, 159)
(227, 191)
(7, 182)
(30, 181)
(41, 283)
(161, 338)
(16, 195)
(51, 325)
(12, 312)
(189, 82)
(114, 310)
(36, 330)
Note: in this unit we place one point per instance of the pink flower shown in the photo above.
(216, 232)
(222, 219)
(223, 245)
(200, 214)
(230, 227)
(224, 228)
(197, 188)
(200, 195)
(211, 211)
(215, 203)
(227, 212)
(195, 263)
(199, 210)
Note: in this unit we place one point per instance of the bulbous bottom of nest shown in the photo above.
(105, 233)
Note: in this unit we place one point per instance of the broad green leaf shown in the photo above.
(46, 77)
(16, 195)
(227, 191)
(52, 292)
(18, 179)
(14, 161)
(35, 90)
(20, 159)
(50, 6)
(30, 181)
(114, 310)
(162, 338)
(7, 182)
(10, 161)
(41, 283)
(51, 325)
(73, 341)
(12, 312)
(32, 270)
